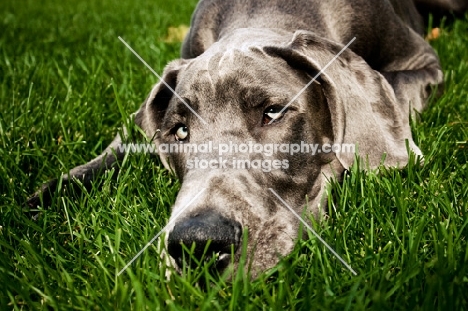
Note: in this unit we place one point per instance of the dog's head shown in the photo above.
(233, 96)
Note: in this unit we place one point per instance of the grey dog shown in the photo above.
(241, 79)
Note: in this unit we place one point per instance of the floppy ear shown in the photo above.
(151, 113)
(363, 107)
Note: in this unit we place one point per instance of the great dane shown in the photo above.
(241, 82)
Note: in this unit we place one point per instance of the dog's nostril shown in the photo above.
(212, 234)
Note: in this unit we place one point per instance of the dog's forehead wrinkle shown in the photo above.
(227, 56)
(208, 73)
(237, 60)
(234, 85)
(246, 53)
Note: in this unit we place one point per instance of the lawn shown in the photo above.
(67, 83)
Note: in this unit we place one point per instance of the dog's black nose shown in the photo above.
(220, 233)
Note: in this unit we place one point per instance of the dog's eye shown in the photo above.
(181, 133)
(273, 114)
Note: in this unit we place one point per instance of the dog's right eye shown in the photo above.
(181, 133)
(273, 114)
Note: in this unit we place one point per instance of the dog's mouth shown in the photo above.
(217, 263)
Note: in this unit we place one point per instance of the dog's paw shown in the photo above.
(41, 198)
(32, 206)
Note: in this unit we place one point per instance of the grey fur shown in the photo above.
(242, 56)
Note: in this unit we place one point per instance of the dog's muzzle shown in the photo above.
(212, 234)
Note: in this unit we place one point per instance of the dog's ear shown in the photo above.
(151, 113)
(363, 108)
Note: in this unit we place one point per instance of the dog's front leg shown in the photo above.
(413, 87)
(148, 118)
(79, 176)
(412, 68)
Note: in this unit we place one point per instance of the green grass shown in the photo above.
(63, 75)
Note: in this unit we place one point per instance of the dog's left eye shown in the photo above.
(181, 133)
(273, 114)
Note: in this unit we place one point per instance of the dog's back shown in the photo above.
(376, 27)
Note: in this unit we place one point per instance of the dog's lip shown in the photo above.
(221, 262)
